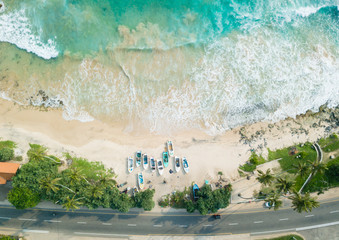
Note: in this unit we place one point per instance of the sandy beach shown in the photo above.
(112, 143)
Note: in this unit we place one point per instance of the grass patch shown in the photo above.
(290, 156)
(330, 143)
(7, 144)
(252, 163)
(287, 237)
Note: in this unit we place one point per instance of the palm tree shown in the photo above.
(284, 185)
(72, 203)
(106, 180)
(36, 152)
(49, 184)
(303, 203)
(317, 166)
(74, 175)
(265, 178)
(94, 191)
(274, 201)
(302, 168)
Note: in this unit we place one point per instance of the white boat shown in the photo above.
(177, 164)
(185, 165)
(153, 164)
(130, 164)
(138, 158)
(145, 161)
(160, 166)
(140, 181)
(170, 148)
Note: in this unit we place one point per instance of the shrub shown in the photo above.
(6, 154)
(190, 207)
(164, 202)
(8, 144)
(145, 200)
(22, 198)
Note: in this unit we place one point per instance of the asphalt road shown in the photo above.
(103, 223)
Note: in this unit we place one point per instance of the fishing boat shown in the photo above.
(160, 166)
(177, 164)
(130, 164)
(145, 161)
(138, 159)
(140, 181)
(152, 164)
(170, 148)
(195, 191)
(185, 165)
(165, 158)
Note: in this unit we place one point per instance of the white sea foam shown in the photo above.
(15, 29)
(306, 11)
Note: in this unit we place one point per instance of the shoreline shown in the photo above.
(111, 144)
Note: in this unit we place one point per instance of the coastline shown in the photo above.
(111, 144)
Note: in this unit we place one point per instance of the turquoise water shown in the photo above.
(166, 65)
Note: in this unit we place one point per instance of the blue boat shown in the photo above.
(195, 191)
(165, 158)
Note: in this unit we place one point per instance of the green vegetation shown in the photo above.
(84, 183)
(23, 198)
(6, 237)
(303, 203)
(208, 200)
(287, 237)
(329, 144)
(292, 156)
(252, 163)
(7, 150)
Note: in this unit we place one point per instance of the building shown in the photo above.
(7, 171)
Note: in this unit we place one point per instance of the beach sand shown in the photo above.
(112, 143)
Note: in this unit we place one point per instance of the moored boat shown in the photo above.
(165, 158)
(195, 191)
(145, 161)
(185, 165)
(141, 181)
(160, 166)
(138, 158)
(177, 164)
(130, 164)
(152, 162)
(170, 148)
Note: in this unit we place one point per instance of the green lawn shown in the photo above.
(253, 162)
(330, 143)
(304, 153)
(7, 144)
(287, 237)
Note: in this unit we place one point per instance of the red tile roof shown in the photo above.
(6, 167)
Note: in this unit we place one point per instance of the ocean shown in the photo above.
(168, 66)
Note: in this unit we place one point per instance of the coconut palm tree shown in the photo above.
(49, 184)
(274, 201)
(94, 191)
(265, 178)
(72, 203)
(106, 180)
(317, 166)
(302, 168)
(284, 185)
(303, 203)
(74, 175)
(36, 152)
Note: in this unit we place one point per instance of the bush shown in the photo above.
(145, 200)
(190, 207)
(248, 167)
(164, 202)
(22, 198)
(6, 154)
(8, 144)
(332, 172)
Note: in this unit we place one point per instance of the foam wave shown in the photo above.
(15, 29)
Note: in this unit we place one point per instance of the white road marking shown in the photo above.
(106, 223)
(208, 225)
(283, 219)
(54, 221)
(101, 234)
(309, 216)
(27, 219)
(318, 226)
(35, 231)
(336, 211)
(258, 222)
(131, 225)
(5, 218)
(157, 225)
(282, 230)
(232, 224)
(82, 222)
(182, 226)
